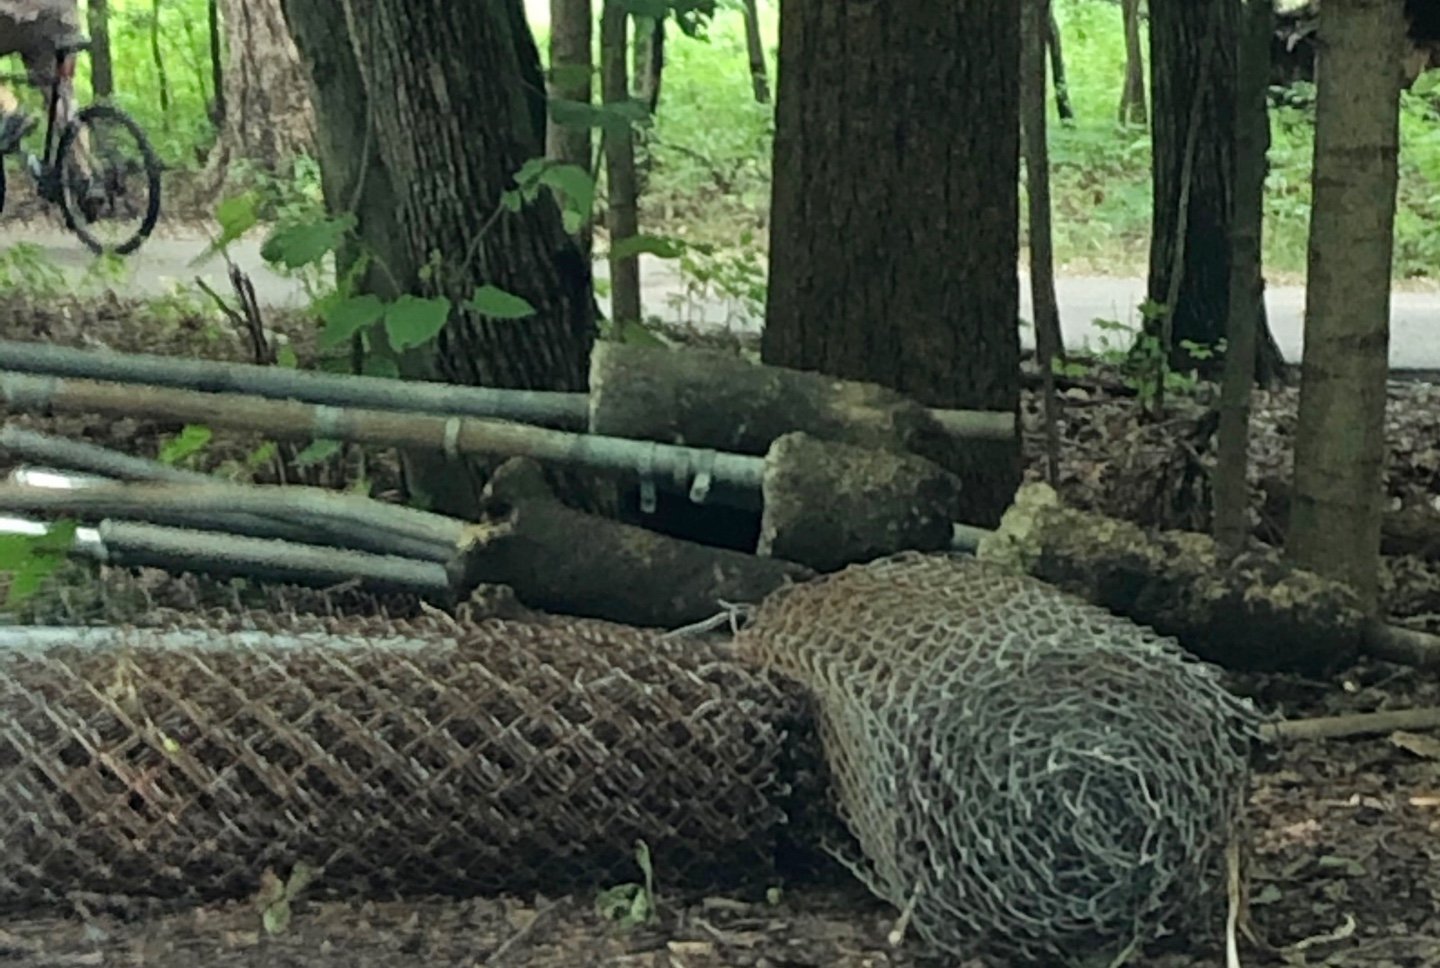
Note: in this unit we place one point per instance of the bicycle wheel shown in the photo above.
(109, 180)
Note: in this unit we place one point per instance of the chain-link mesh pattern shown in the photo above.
(411, 757)
(1034, 776)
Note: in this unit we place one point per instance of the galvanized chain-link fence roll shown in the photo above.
(409, 758)
(1026, 774)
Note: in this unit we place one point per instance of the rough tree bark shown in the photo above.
(426, 111)
(102, 71)
(1340, 441)
(1132, 97)
(1183, 33)
(1247, 283)
(894, 236)
(268, 117)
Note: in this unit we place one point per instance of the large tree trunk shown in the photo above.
(1340, 443)
(1247, 283)
(102, 71)
(894, 233)
(268, 117)
(426, 111)
(1184, 35)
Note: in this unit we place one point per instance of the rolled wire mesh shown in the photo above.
(409, 758)
(1027, 774)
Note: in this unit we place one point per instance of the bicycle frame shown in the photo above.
(63, 84)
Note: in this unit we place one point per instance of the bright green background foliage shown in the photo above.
(707, 157)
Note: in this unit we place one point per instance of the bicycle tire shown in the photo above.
(152, 178)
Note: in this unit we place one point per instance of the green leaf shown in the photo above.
(318, 451)
(190, 440)
(237, 215)
(648, 244)
(261, 455)
(376, 364)
(302, 875)
(614, 116)
(30, 559)
(635, 333)
(498, 304)
(576, 189)
(413, 320)
(302, 244)
(285, 357)
(347, 317)
(277, 917)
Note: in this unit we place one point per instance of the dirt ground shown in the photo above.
(1345, 833)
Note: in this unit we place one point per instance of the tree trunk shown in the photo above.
(622, 216)
(102, 70)
(426, 112)
(217, 63)
(1183, 34)
(572, 66)
(649, 57)
(893, 237)
(1063, 107)
(1247, 283)
(1049, 343)
(162, 79)
(755, 47)
(268, 117)
(1049, 340)
(1132, 97)
(1340, 442)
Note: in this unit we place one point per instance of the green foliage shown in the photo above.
(30, 559)
(317, 452)
(25, 268)
(630, 905)
(499, 304)
(191, 440)
(276, 897)
(573, 187)
(1139, 358)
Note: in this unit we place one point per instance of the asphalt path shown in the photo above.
(167, 261)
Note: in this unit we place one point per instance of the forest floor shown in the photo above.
(1346, 833)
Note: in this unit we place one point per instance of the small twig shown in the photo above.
(1357, 724)
(896, 937)
(519, 936)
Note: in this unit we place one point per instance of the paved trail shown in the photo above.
(164, 261)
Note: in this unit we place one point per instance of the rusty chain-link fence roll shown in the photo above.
(1028, 775)
(408, 758)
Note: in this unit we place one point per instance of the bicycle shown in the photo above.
(83, 172)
